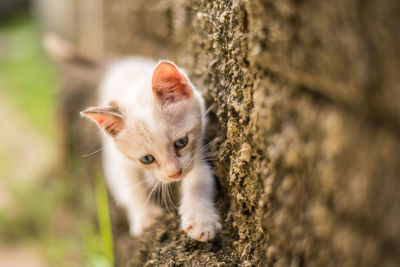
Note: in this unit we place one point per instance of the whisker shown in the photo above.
(167, 196)
(165, 186)
(151, 192)
(172, 204)
(209, 109)
(205, 157)
(164, 197)
(92, 153)
(162, 194)
(209, 156)
(159, 194)
(211, 142)
(138, 184)
(169, 200)
(170, 197)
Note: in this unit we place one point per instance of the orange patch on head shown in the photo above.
(168, 84)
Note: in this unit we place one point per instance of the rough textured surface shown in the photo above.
(305, 130)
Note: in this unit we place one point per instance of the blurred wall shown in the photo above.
(79, 22)
(306, 128)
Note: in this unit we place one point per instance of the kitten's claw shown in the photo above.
(201, 227)
(187, 230)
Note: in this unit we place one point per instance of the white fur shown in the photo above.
(128, 83)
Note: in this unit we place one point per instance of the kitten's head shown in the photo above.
(162, 136)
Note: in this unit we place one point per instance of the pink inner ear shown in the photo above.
(99, 118)
(169, 84)
(113, 125)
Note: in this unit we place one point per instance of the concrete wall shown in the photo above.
(305, 132)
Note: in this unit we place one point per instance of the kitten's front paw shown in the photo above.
(143, 220)
(201, 226)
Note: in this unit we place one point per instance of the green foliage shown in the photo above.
(44, 218)
(27, 73)
(63, 217)
(99, 243)
(104, 218)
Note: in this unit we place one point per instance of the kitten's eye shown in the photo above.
(180, 143)
(147, 159)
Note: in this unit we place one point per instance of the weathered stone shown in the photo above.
(305, 130)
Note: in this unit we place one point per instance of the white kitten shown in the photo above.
(154, 121)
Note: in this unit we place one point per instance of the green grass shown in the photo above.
(99, 243)
(104, 218)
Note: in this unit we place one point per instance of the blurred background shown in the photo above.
(305, 126)
(51, 214)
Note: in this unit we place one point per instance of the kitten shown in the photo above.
(153, 119)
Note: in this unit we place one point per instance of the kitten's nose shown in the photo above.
(175, 175)
(172, 168)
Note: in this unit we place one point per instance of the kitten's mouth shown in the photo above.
(176, 179)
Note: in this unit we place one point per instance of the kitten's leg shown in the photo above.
(128, 189)
(199, 217)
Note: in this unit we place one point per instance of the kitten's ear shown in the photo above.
(169, 85)
(109, 118)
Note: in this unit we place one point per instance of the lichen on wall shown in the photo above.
(304, 132)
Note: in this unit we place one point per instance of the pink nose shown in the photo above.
(175, 175)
